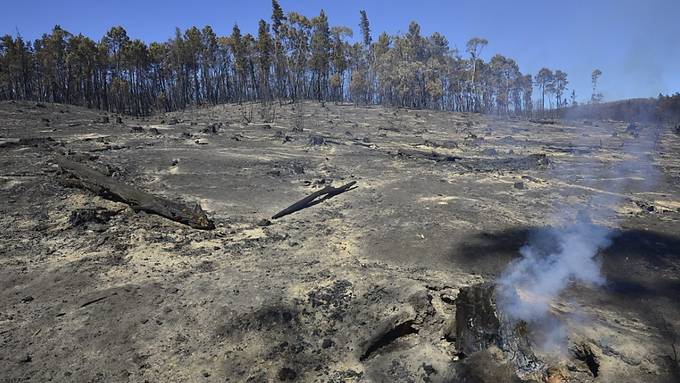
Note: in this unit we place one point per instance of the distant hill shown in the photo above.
(661, 109)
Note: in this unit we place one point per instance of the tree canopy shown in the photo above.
(292, 58)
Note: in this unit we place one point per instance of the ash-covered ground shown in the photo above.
(361, 287)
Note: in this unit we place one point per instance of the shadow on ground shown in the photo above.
(641, 267)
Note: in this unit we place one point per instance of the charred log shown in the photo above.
(386, 336)
(84, 177)
(315, 198)
(431, 156)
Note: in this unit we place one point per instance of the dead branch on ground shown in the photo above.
(315, 198)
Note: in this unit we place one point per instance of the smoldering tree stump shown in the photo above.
(479, 325)
(84, 177)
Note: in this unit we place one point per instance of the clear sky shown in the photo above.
(636, 43)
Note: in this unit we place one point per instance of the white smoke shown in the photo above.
(556, 258)
(528, 287)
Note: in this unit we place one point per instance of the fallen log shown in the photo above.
(84, 177)
(315, 198)
(432, 155)
(93, 301)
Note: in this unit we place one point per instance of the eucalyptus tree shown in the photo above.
(320, 49)
(340, 60)
(115, 40)
(544, 80)
(474, 48)
(16, 68)
(50, 53)
(560, 86)
(209, 64)
(504, 73)
(359, 82)
(239, 49)
(365, 27)
(281, 73)
(596, 96)
(527, 86)
(265, 51)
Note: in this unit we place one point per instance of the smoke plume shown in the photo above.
(557, 257)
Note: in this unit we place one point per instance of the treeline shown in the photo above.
(291, 58)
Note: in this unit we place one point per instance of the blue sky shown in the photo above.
(636, 43)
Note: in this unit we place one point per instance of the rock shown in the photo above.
(264, 222)
(212, 128)
(136, 129)
(119, 119)
(97, 227)
(27, 299)
(327, 343)
(287, 374)
(490, 152)
(518, 185)
(645, 206)
(297, 168)
(316, 140)
(26, 358)
(80, 216)
(421, 302)
(83, 216)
